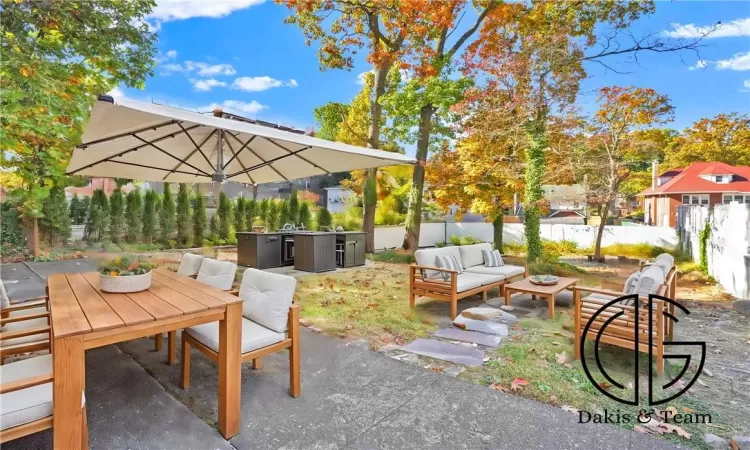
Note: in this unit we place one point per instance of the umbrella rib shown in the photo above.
(137, 147)
(265, 163)
(155, 168)
(197, 148)
(269, 162)
(118, 136)
(300, 157)
(169, 154)
(234, 155)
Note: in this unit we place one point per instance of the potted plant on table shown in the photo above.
(124, 275)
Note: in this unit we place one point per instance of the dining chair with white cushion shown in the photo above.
(190, 265)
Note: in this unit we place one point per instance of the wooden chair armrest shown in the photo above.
(24, 317)
(25, 383)
(235, 292)
(597, 291)
(194, 276)
(23, 333)
(34, 303)
(293, 316)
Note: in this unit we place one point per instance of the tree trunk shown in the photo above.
(414, 214)
(33, 238)
(497, 231)
(600, 231)
(535, 166)
(373, 141)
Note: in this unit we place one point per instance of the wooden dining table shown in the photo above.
(83, 317)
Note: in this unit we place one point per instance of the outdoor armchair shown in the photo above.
(26, 399)
(270, 323)
(190, 265)
(217, 274)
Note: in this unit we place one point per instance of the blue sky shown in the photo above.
(240, 54)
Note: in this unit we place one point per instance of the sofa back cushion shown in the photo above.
(218, 274)
(471, 255)
(666, 257)
(426, 257)
(649, 282)
(267, 298)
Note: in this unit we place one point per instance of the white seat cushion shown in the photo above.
(30, 404)
(25, 325)
(4, 300)
(426, 257)
(190, 265)
(505, 271)
(471, 255)
(267, 298)
(601, 297)
(218, 274)
(254, 336)
(467, 281)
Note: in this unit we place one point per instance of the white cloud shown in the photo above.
(201, 68)
(169, 10)
(116, 93)
(735, 28)
(251, 107)
(746, 83)
(171, 54)
(701, 64)
(258, 84)
(738, 62)
(207, 85)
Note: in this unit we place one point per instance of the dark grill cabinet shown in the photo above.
(259, 250)
(350, 249)
(315, 252)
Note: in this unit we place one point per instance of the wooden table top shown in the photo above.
(527, 286)
(77, 305)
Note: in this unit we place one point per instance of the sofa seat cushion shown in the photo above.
(267, 298)
(506, 271)
(30, 404)
(467, 281)
(254, 336)
(190, 265)
(604, 298)
(471, 255)
(426, 257)
(25, 325)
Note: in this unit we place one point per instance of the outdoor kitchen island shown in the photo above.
(315, 251)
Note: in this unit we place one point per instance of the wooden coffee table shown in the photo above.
(535, 290)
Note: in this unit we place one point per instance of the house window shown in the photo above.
(695, 199)
(736, 198)
(718, 178)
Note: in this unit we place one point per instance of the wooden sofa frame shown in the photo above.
(291, 342)
(620, 331)
(44, 423)
(446, 290)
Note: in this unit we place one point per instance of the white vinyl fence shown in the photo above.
(728, 246)
(583, 235)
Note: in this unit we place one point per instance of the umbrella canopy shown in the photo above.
(130, 139)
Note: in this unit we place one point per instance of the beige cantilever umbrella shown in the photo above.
(145, 141)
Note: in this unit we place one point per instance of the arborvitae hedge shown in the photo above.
(167, 215)
(133, 215)
(305, 218)
(224, 211)
(240, 217)
(150, 200)
(98, 218)
(116, 216)
(199, 221)
(56, 221)
(324, 218)
(183, 216)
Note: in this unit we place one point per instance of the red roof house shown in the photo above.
(704, 184)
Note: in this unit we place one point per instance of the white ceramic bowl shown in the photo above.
(125, 284)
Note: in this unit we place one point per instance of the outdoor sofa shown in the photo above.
(428, 280)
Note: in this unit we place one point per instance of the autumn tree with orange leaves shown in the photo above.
(622, 112)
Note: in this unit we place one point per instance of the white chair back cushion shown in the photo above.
(471, 255)
(4, 300)
(29, 404)
(267, 298)
(666, 256)
(663, 264)
(190, 265)
(218, 274)
(426, 257)
(649, 282)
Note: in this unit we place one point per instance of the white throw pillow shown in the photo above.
(190, 265)
(267, 298)
(219, 274)
(492, 258)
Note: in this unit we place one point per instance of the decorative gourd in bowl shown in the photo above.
(124, 275)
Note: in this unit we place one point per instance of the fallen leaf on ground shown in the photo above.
(518, 384)
(349, 327)
(561, 358)
(641, 429)
(569, 408)
(547, 334)
(555, 343)
(499, 387)
(553, 400)
(702, 383)
(604, 385)
(734, 445)
(708, 372)
(688, 410)
(669, 428)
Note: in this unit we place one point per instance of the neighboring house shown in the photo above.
(107, 184)
(567, 204)
(336, 198)
(704, 184)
